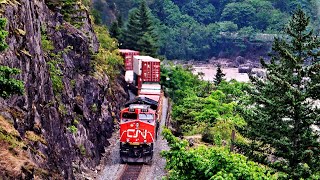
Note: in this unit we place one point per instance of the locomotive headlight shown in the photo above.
(137, 125)
(145, 141)
(128, 139)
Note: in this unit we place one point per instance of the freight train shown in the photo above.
(140, 117)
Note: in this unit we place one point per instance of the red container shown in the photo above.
(150, 70)
(139, 81)
(128, 54)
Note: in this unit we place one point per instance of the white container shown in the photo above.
(129, 76)
(153, 97)
(150, 89)
(151, 86)
(137, 63)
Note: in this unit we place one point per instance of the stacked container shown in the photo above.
(128, 63)
(146, 70)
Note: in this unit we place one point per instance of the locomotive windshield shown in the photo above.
(146, 117)
(129, 116)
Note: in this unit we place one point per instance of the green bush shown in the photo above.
(70, 9)
(208, 135)
(83, 150)
(8, 85)
(56, 76)
(55, 62)
(107, 60)
(47, 44)
(197, 102)
(73, 129)
(209, 163)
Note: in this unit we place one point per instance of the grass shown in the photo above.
(94, 107)
(62, 109)
(73, 129)
(9, 134)
(82, 150)
(12, 157)
(30, 135)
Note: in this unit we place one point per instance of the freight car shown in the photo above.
(146, 69)
(127, 55)
(140, 117)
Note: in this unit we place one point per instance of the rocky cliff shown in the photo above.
(64, 126)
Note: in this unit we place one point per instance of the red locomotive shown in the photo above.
(139, 119)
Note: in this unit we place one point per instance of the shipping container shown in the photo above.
(147, 67)
(153, 97)
(150, 89)
(137, 63)
(150, 70)
(128, 58)
(137, 81)
(129, 76)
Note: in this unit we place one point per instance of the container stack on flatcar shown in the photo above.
(127, 55)
(140, 118)
(146, 70)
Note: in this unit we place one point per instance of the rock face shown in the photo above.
(77, 121)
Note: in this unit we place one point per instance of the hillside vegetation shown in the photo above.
(272, 118)
(200, 29)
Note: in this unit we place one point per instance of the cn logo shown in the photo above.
(132, 133)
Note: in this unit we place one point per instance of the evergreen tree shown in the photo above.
(120, 21)
(96, 17)
(8, 86)
(132, 33)
(145, 18)
(139, 34)
(147, 44)
(115, 30)
(219, 76)
(282, 112)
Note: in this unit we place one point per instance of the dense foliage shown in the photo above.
(200, 29)
(107, 60)
(282, 111)
(70, 9)
(201, 108)
(8, 85)
(209, 163)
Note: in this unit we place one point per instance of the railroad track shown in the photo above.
(131, 172)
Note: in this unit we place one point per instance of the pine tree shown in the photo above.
(219, 76)
(115, 30)
(8, 85)
(282, 112)
(147, 44)
(132, 33)
(139, 34)
(120, 21)
(145, 18)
